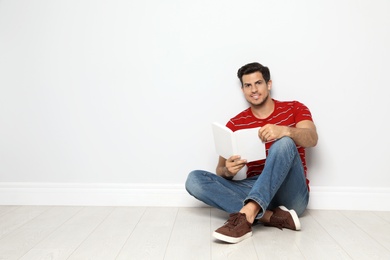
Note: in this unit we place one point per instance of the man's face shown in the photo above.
(255, 89)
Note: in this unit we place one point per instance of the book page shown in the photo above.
(223, 140)
(249, 145)
(245, 143)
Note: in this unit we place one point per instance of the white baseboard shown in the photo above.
(171, 195)
(96, 194)
(350, 198)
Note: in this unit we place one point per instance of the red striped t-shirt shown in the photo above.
(287, 113)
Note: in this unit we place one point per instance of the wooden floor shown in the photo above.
(45, 232)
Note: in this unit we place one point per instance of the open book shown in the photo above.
(245, 143)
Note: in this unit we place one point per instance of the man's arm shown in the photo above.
(304, 134)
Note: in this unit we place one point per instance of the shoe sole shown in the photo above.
(294, 216)
(231, 240)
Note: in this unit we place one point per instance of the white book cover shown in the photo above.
(245, 143)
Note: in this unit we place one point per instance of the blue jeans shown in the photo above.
(282, 182)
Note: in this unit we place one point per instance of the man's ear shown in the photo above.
(269, 84)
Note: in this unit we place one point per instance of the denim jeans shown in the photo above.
(282, 182)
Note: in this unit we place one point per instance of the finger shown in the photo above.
(262, 131)
(263, 137)
(240, 164)
(234, 158)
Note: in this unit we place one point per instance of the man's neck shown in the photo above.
(264, 110)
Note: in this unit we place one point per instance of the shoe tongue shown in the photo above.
(235, 218)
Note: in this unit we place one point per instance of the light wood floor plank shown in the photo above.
(27, 236)
(6, 209)
(357, 243)
(35, 232)
(190, 234)
(14, 219)
(273, 243)
(373, 225)
(150, 238)
(221, 250)
(384, 215)
(315, 243)
(109, 237)
(60, 244)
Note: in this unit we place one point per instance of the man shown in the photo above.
(276, 190)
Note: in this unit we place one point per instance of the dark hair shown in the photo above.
(254, 67)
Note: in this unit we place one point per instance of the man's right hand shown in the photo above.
(234, 164)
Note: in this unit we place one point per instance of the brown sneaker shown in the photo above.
(284, 218)
(235, 229)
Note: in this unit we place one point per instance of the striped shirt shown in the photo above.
(286, 114)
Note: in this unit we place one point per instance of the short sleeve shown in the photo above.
(301, 112)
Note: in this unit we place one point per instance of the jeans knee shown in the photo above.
(192, 182)
(189, 181)
(284, 143)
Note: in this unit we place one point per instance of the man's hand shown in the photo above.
(272, 132)
(234, 164)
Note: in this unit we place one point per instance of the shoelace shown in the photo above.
(233, 220)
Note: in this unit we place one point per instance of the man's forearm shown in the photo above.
(305, 137)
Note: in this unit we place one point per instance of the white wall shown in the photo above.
(125, 91)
